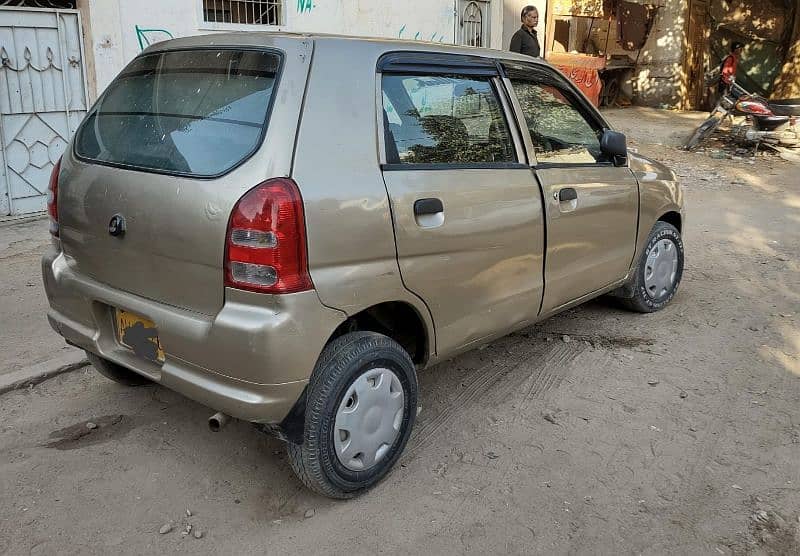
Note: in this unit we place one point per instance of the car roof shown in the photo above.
(256, 38)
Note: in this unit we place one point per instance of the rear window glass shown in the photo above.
(194, 112)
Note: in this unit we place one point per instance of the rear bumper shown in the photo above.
(251, 360)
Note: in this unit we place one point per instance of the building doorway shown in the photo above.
(473, 23)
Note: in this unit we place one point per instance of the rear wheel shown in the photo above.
(657, 276)
(611, 90)
(115, 372)
(361, 404)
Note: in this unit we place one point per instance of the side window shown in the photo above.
(444, 120)
(391, 113)
(559, 132)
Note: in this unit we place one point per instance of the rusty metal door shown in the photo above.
(42, 100)
(696, 53)
(473, 21)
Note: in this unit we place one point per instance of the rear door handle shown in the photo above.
(567, 194)
(428, 206)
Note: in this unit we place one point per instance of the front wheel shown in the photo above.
(703, 132)
(659, 271)
(361, 404)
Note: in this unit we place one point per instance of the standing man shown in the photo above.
(525, 40)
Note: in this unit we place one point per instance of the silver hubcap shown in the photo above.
(368, 420)
(661, 269)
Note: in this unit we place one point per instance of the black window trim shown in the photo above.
(405, 61)
(416, 63)
(539, 74)
(599, 164)
(511, 112)
(267, 118)
(395, 167)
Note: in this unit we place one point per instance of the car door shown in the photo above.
(466, 209)
(591, 201)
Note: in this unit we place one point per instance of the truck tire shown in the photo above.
(659, 271)
(361, 404)
(117, 373)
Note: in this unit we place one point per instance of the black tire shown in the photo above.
(642, 300)
(342, 362)
(117, 373)
(611, 90)
(703, 132)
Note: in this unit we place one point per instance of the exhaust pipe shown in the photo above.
(217, 421)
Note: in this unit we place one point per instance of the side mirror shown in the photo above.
(615, 146)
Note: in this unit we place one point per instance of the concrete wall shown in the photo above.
(113, 39)
(660, 80)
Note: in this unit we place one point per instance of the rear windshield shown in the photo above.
(192, 112)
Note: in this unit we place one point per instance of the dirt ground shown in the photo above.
(25, 337)
(676, 432)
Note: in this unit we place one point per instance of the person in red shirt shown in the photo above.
(729, 67)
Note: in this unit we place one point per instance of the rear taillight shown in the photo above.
(265, 248)
(52, 198)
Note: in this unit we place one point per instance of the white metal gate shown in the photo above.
(42, 100)
(473, 20)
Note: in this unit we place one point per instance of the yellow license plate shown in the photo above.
(140, 335)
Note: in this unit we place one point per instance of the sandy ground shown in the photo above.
(677, 432)
(25, 337)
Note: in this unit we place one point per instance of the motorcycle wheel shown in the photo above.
(703, 132)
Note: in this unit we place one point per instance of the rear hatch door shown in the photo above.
(169, 148)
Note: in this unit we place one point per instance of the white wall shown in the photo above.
(103, 42)
(418, 19)
(115, 41)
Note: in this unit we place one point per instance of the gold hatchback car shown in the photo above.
(286, 228)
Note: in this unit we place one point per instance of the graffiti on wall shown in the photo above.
(146, 37)
(305, 6)
(420, 36)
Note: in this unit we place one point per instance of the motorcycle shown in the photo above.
(772, 122)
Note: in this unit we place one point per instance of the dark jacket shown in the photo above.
(525, 42)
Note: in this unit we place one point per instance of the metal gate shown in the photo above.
(473, 21)
(42, 100)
